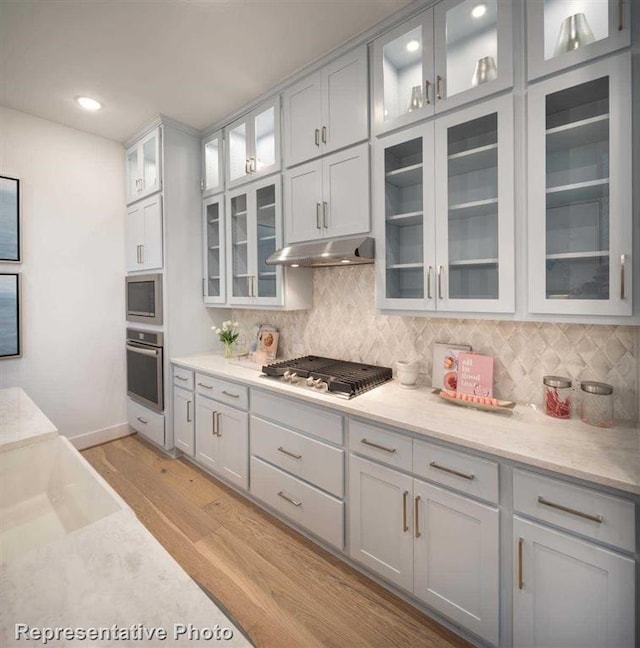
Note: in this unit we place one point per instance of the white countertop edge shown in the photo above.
(22, 422)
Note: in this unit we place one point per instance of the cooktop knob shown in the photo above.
(287, 375)
(322, 386)
(293, 377)
(311, 381)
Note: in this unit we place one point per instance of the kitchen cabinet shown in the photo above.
(144, 235)
(183, 420)
(444, 213)
(562, 34)
(214, 250)
(580, 191)
(146, 422)
(328, 197)
(252, 144)
(327, 110)
(446, 56)
(143, 174)
(212, 164)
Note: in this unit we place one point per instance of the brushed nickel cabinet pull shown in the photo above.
(214, 424)
(291, 501)
(204, 287)
(324, 134)
(203, 385)
(317, 137)
(289, 454)
(427, 85)
(437, 466)
(622, 264)
(325, 209)
(252, 164)
(588, 516)
(379, 447)
(253, 286)
(201, 184)
(429, 271)
(620, 15)
(183, 378)
(440, 271)
(439, 81)
(416, 511)
(227, 393)
(142, 254)
(246, 167)
(318, 209)
(188, 411)
(142, 420)
(405, 526)
(520, 566)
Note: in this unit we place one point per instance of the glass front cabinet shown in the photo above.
(212, 176)
(213, 236)
(445, 213)
(143, 167)
(580, 182)
(460, 51)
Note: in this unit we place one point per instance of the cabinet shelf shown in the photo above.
(213, 221)
(482, 157)
(214, 277)
(407, 219)
(473, 262)
(271, 237)
(405, 266)
(577, 193)
(240, 242)
(264, 207)
(239, 213)
(580, 133)
(577, 255)
(474, 208)
(241, 276)
(214, 247)
(266, 275)
(406, 176)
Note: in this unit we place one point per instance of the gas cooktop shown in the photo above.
(339, 377)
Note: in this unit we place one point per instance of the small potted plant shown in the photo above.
(227, 334)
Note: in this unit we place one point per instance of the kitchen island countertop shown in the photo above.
(21, 420)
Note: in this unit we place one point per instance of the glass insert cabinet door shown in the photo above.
(240, 272)
(562, 33)
(212, 178)
(214, 251)
(580, 223)
(143, 166)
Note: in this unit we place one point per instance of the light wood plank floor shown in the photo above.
(283, 590)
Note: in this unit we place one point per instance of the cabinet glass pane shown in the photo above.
(570, 24)
(132, 172)
(265, 144)
(472, 165)
(266, 240)
(238, 152)
(211, 164)
(213, 250)
(239, 247)
(150, 162)
(577, 192)
(404, 220)
(402, 74)
(472, 45)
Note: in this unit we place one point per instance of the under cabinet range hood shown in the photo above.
(346, 251)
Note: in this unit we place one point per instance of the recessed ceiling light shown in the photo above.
(413, 46)
(295, 265)
(88, 103)
(479, 10)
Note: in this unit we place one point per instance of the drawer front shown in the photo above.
(143, 420)
(318, 422)
(205, 385)
(459, 470)
(232, 394)
(307, 506)
(599, 516)
(380, 444)
(183, 378)
(311, 460)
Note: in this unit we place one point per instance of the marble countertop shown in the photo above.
(607, 457)
(21, 421)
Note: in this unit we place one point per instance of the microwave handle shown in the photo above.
(147, 352)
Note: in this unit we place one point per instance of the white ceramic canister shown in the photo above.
(407, 371)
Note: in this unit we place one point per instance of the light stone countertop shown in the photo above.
(21, 421)
(607, 457)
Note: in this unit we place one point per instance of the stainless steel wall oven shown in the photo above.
(145, 377)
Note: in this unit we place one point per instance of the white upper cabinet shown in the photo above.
(252, 144)
(144, 235)
(212, 165)
(460, 51)
(580, 184)
(563, 33)
(143, 167)
(214, 250)
(327, 110)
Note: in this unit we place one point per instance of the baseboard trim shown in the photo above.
(90, 439)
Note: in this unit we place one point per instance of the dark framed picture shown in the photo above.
(9, 219)
(9, 315)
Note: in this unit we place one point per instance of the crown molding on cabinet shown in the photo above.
(161, 120)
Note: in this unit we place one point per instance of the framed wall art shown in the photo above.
(9, 219)
(9, 315)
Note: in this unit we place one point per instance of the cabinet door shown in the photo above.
(380, 531)
(151, 253)
(345, 107)
(212, 177)
(132, 173)
(570, 593)
(475, 209)
(456, 558)
(213, 254)
(237, 139)
(134, 237)
(303, 202)
(561, 34)
(473, 50)
(345, 178)
(239, 271)
(303, 120)
(264, 155)
(183, 426)
(233, 437)
(580, 184)
(266, 235)
(403, 81)
(149, 163)
(206, 442)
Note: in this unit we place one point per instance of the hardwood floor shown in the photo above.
(283, 590)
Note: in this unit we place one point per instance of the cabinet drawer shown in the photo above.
(599, 516)
(307, 418)
(311, 460)
(183, 378)
(380, 444)
(148, 423)
(466, 473)
(232, 394)
(205, 385)
(307, 506)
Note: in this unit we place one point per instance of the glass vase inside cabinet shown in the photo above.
(563, 33)
(240, 271)
(475, 209)
(267, 206)
(580, 222)
(473, 50)
(214, 251)
(212, 178)
(403, 74)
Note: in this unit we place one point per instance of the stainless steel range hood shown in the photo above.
(357, 250)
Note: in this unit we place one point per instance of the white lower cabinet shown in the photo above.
(183, 420)
(145, 421)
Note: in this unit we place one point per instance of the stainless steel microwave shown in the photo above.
(144, 298)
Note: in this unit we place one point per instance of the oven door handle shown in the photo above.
(148, 352)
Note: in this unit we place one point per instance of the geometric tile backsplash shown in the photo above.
(344, 324)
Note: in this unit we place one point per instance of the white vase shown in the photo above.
(407, 372)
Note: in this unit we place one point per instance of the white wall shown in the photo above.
(73, 321)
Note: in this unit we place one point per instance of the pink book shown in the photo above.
(475, 374)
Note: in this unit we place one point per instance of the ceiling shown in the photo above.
(195, 61)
